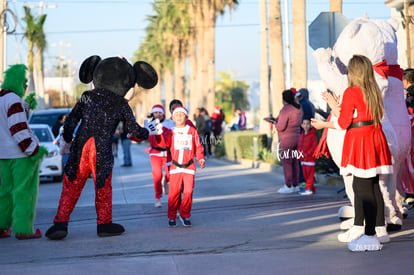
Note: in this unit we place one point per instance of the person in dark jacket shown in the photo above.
(308, 109)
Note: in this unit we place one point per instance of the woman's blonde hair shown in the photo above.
(361, 74)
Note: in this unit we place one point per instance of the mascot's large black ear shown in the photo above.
(87, 68)
(146, 76)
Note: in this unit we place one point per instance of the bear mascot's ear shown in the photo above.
(87, 68)
(146, 76)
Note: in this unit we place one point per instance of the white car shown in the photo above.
(52, 165)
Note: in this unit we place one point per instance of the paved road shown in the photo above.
(240, 226)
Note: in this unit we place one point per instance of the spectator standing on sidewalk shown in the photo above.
(218, 119)
(200, 122)
(308, 109)
(206, 137)
(58, 124)
(288, 128)
(242, 124)
(126, 146)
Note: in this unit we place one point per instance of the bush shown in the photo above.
(239, 144)
(268, 156)
(219, 150)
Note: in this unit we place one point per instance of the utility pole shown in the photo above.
(42, 6)
(61, 58)
(264, 70)
(3, 38)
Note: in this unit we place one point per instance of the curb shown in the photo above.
(323, 179)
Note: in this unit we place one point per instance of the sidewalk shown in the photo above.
(240, 226)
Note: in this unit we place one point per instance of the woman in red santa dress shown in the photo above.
(365, 153)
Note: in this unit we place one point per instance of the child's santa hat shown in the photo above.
(180, 109)
(158, 108)
(217, 110)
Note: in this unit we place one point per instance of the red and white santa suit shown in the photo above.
(365, 153)
(407, 177)
(158, 156)
(184, 144)
(307, 145)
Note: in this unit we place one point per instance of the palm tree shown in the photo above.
(179, 17)
(299, 56)
(40, 44)
(170, 27)
(30, 34)
(276, 55)
(167, 40)
(36, 39)
(211, 9)
(194, 99)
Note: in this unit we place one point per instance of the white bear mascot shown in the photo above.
(377, 40)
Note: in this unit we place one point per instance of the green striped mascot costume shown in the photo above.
(20, 157)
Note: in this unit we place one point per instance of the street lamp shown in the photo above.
(61, 58)
(42, 6)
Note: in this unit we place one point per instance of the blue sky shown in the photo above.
(110, 28)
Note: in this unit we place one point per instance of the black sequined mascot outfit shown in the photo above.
(98, 112)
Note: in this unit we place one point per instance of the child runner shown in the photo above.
(306, 147)
(184, 144)
(158, 156)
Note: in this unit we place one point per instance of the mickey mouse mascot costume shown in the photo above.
(98, 113)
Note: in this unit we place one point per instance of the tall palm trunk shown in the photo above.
(276, 55)
(264, 70)
(210, 58)
(40, 85)
(276, 60)
(179, 77)
(192, 56)
(156, 93)
(201, 64)
(168, 85)
(336, 5)
(30, 65)
(299, 44)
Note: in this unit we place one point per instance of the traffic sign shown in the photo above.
(325, 29)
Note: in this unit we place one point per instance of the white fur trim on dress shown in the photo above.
(366, 173)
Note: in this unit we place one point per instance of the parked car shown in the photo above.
(49, 116)
(52, 165)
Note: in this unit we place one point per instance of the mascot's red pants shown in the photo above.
(72, 190)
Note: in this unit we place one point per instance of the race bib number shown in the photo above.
(183, 142)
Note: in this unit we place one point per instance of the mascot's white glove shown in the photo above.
(322, 55)
(154, 127)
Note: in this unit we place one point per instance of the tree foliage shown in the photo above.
(231, 94)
